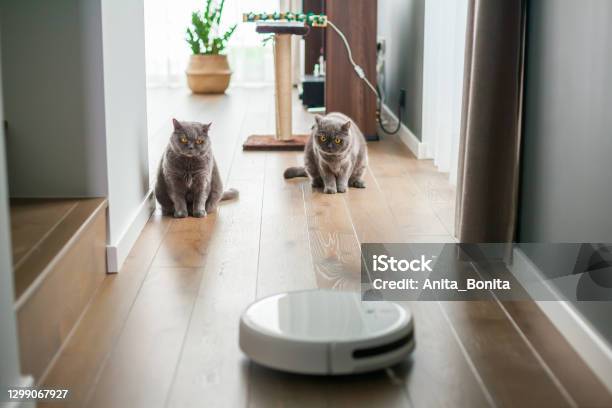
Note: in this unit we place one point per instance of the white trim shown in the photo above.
(589, 344)
(117, 253)
(417, 148)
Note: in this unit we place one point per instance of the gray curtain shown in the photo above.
(487, 185)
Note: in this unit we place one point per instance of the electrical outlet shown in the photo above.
(381, 45)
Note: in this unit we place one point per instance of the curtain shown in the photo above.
(443, 64)
(487, 185)
(167, 53)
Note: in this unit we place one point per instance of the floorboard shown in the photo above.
(333, 243)
(211, 370)
(79, 363)
(572, 371)
(438, 362)
(501, 356)
(284, 264)
(145, 355)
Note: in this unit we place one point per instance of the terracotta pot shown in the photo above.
(208, 74)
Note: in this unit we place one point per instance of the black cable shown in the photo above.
(361, 74)
(380, 121)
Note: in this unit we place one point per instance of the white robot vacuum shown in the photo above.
(325, 332)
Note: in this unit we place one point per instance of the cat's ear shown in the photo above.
(206, 126)
(318, 119)
(176, 124)
(346, 126)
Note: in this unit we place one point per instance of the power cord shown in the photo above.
(361, 74)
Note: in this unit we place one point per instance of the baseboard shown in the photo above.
(418, 148)
(573, 326)
(116, 253)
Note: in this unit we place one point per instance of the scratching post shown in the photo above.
(283, 139)
(282, 76)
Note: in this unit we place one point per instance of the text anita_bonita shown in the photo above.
(441, 284)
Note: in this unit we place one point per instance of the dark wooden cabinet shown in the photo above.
(344, 91)
(315, 39)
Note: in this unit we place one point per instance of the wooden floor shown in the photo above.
(163, 332)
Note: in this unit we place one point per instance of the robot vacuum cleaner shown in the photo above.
(325, 332)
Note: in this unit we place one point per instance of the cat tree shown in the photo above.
(282, 26)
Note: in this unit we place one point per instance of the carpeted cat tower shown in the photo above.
(282, 26)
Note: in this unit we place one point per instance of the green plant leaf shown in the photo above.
(193, 42)
(229, 32)
(220, 11)
(203, 36)
(207, 11)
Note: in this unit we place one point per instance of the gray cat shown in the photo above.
(335, 156)
(188, 180)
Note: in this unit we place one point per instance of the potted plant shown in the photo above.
(208, 70)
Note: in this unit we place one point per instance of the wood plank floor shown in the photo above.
(163, 332)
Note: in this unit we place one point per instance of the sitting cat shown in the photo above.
(335, 156)
(188, 180)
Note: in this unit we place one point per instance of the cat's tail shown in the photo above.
(293, 172)
(230, 194)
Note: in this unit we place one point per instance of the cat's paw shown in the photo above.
(329, 190)
(180, 214)
(199, 213)
(316, 184)
(342, 189)
(358, 184)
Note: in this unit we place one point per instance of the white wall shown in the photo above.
(75, 97)
(566, 191)
(401, 25)
(126, 124)
(52, 75)
(9, 352)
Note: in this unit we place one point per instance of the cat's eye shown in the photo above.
(183, 139)
(199, 141)
(323, 138)
(338, 141)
